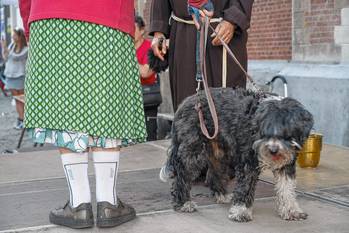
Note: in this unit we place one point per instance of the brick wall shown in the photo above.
(271, 30)
(321, 20)
(270, 33)
(314, 22)
(310, 39)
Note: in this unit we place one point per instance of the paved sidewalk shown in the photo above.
(32, 183)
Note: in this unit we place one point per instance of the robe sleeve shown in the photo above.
(24, 7)
(239, 13)
(160, 13)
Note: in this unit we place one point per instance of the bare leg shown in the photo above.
(105, 149)
(19, 104)
(65, 150)
(20, 109)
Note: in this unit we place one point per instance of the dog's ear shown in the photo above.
(263, 111)
(265, 116)
(300, 121)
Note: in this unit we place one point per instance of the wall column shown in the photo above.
(341, 35)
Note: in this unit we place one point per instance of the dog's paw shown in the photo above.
(223, 199)
(188, 207)
(240, 213)
(294, 215)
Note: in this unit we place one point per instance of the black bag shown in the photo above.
(155, 63)
(152, 95)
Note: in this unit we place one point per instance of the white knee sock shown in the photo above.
(75, 167)
(106, 165)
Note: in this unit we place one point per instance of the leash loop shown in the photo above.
(201, 75)
(202, 70)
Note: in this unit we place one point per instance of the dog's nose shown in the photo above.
(273, 149)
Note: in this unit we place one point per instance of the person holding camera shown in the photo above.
(149, 79)
(148, 76)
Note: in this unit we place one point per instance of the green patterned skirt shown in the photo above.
(82, 86)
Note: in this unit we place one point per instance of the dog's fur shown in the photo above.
(253, 134)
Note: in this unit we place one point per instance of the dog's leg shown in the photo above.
(223, 198)
(217, 175)
(285, 187)
(243, 195)
(181, 187)
(218, 183)
(191, 161)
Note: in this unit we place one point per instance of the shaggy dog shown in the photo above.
(255, 133)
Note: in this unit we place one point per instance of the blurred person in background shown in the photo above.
(148, 76)
(149, 79)
(15, 56)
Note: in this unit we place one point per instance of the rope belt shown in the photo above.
(224, 56)
(176, 18)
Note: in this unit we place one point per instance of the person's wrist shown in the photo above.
(233, 25)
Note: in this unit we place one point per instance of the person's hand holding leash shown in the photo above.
(225, 31)
(158, 45)
(205, 13)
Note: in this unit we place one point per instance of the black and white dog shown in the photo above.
(254, 134)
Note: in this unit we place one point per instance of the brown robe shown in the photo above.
(182, 49)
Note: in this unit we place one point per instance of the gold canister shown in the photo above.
(309, 156)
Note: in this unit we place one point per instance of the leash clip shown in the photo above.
(199, 86)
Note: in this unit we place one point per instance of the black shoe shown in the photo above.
(109, 215)
(77, 218)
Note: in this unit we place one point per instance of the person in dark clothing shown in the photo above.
(171, 19)
(231, 19)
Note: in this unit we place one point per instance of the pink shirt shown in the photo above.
(118, 14)
(197, 3)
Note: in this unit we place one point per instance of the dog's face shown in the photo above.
(282, 127)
